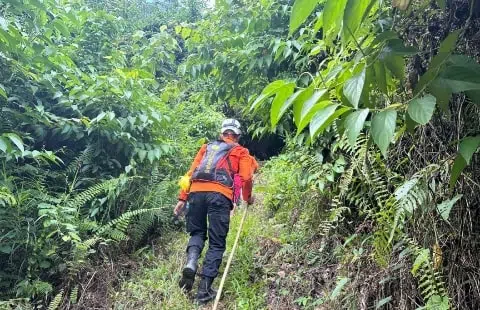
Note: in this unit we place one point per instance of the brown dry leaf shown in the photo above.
(400, 4)
(437, 256)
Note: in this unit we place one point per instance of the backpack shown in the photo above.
(215, 165)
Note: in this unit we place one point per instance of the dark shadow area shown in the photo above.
(265, 147)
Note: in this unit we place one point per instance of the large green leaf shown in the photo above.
(280, 104)
(353, 88)
(421, 109)
(461, 74)
(310, 106)
(300, 12)
(466, 149)
(383, 129)
(381, 76)
(319, 119)
(446, 48)
(333, 15)
(299, 99)
(355, 13)
(442, 92)
(396, 65)
(354, 124)
(267, 92)
(458, 166)
(16, 140)
(445, 207)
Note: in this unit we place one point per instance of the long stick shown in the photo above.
(230, 258)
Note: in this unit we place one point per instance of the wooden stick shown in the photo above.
(230, 258)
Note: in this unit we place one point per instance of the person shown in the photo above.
(210, 197)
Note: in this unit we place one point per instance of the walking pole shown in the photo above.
(230, 258)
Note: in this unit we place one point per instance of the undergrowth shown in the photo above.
(155, 285)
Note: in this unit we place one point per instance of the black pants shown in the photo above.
(216, 207)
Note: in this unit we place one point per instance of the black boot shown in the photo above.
(190, 269)
(205, 292)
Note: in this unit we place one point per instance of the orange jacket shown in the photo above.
(241, 164)
(254, 164)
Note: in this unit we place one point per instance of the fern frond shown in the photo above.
(85, 157)
(81, 199)
(55, 303)
(430, 282)
(6, 197)
(74, 295)
(117, 228)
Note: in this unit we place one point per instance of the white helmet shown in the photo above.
(231, 124)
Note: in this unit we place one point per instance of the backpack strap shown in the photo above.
(228, 158)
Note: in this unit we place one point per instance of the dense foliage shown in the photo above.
(103, 104)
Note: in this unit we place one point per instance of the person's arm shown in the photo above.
(245, 172)
(183, 196)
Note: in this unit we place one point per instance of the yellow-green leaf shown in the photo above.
(280, 103)
(320, 117)
(300, 12)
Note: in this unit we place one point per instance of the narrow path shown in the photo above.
(155, 285)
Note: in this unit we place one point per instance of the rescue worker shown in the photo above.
(210, 196)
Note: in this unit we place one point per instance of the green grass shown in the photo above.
(155, 286)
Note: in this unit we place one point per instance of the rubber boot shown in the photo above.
(205, 292)
(190, 269)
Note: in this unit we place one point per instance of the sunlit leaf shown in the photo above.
(320, 117)
(280, 104)
(310, 106)
(355, 13)
(267, 92)
(333, 15)
(300, 12)
(298, 100)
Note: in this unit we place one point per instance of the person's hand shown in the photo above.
(251, 200)
(179, 207)
(232, 212)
